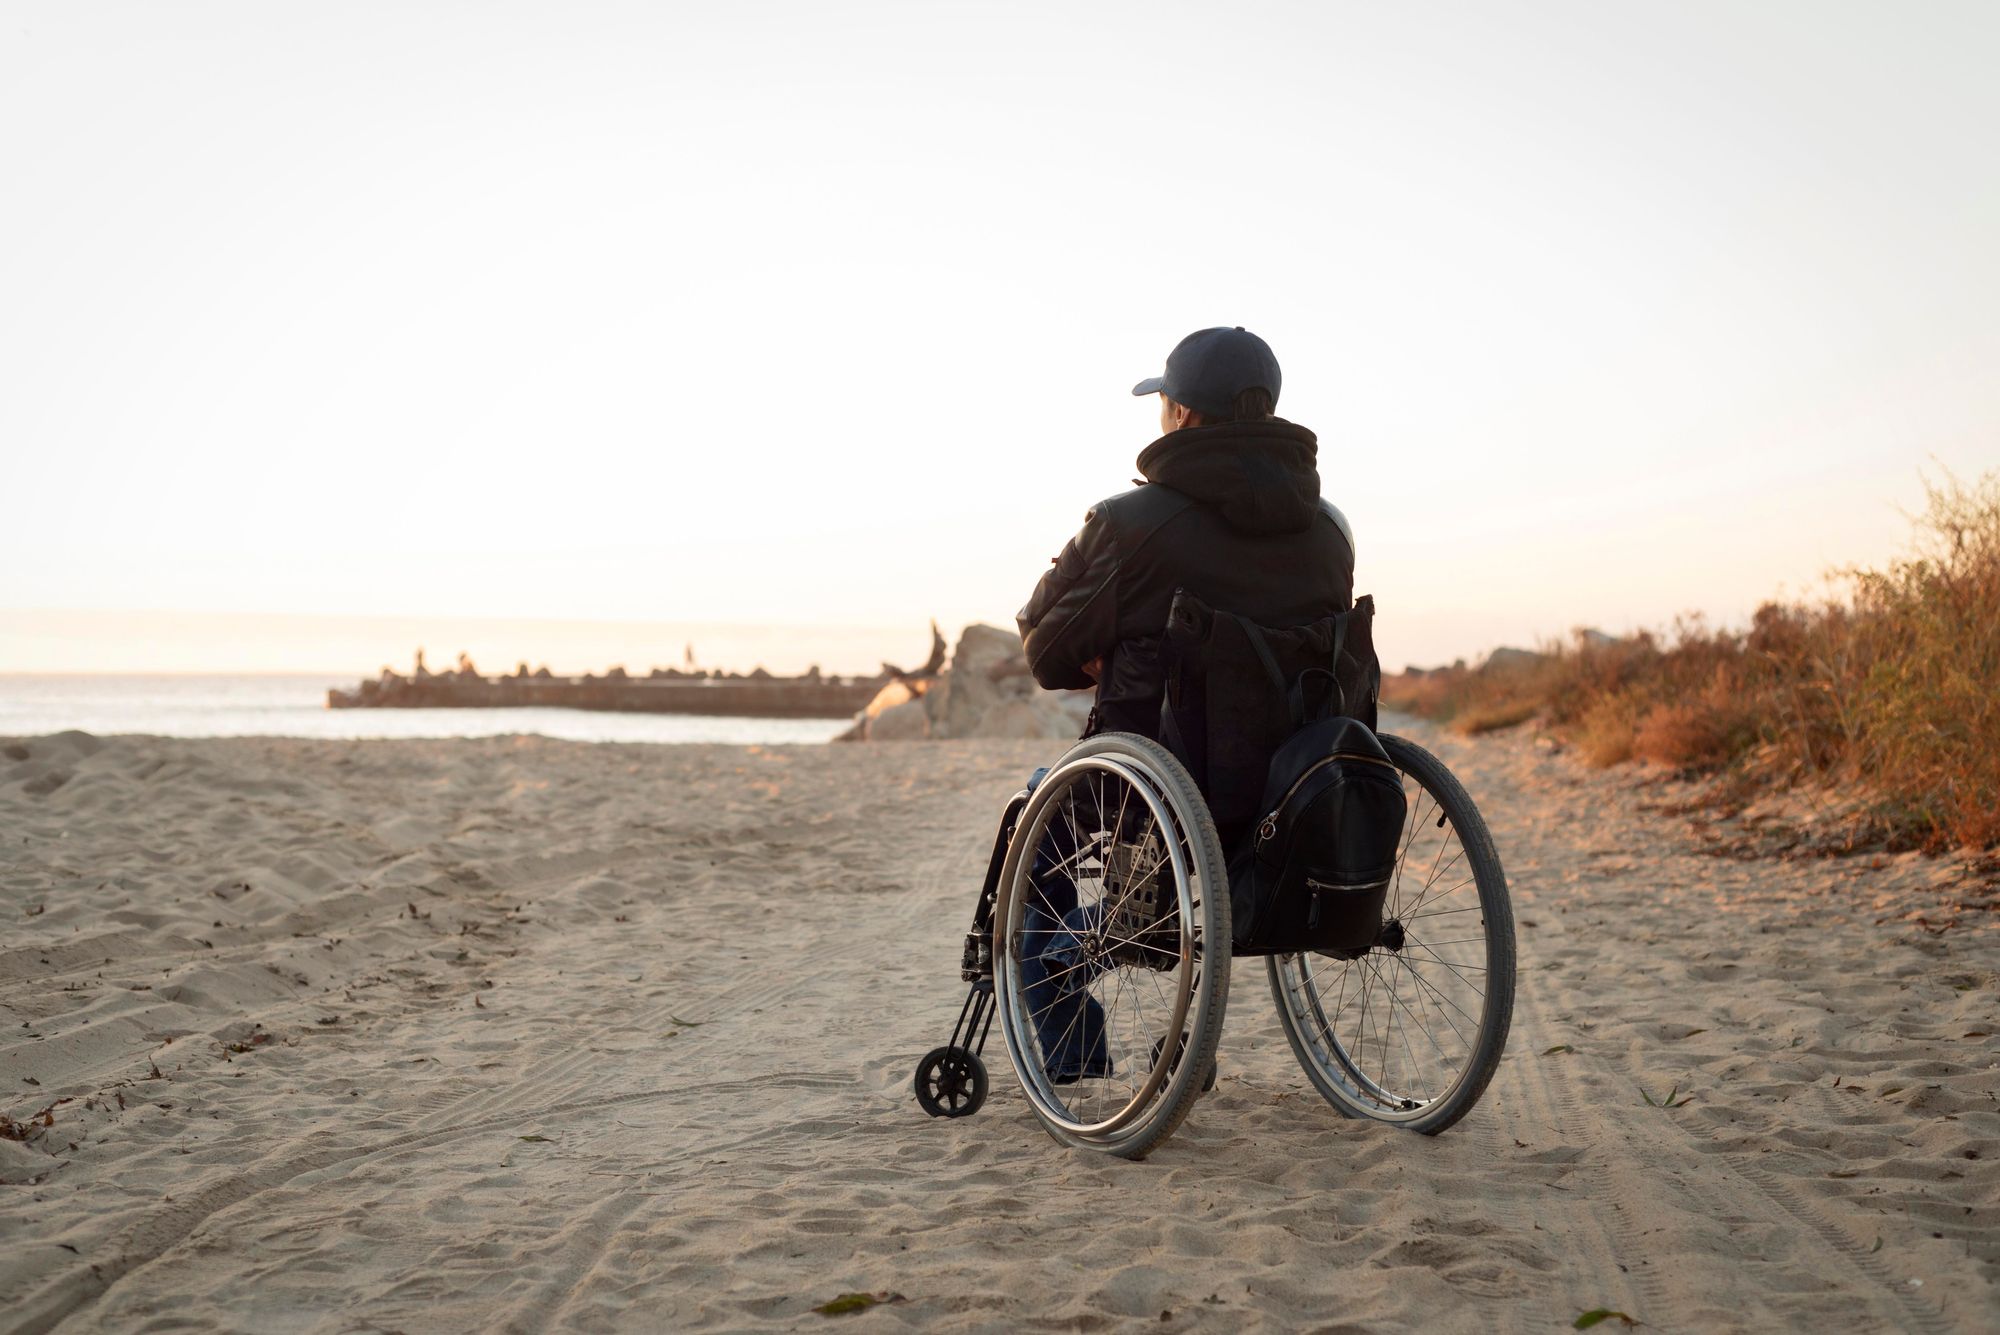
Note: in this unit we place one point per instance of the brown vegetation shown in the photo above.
(1890, 690)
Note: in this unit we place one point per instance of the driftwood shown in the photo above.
(932, 665)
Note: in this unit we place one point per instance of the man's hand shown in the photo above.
(1094, 669)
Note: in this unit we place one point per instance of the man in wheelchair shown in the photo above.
(1230, 798)
(1230, 512)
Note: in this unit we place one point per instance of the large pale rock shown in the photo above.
(905, 722)
(990, 651)
(1022, 719)
(937, 700)
(987, 668)
(985, 691)
(1072, 709)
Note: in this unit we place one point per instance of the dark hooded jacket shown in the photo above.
(1232, 513)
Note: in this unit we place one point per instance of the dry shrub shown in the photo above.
(1925, 709)
(1691, 736)
(1427, 694)
(1587, 670)
(1605, 731)
(1495, 716)
(1892, 691)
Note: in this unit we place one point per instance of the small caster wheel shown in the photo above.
(951, 1082)
(1208, 1077)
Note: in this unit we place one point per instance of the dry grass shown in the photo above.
(1497, 715)
(1891, 688)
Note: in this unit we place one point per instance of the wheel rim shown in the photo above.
(1395, 1032)
(1130, 844)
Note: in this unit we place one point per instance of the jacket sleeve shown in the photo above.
(1072, 617)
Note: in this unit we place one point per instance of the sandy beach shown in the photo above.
(522, 1034)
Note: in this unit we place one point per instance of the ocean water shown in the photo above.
(295, 706)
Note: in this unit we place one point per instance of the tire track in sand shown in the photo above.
(1532, 1098)
(575, 1067)
(168, 1225)
(545, 1091)
(1665, 1163)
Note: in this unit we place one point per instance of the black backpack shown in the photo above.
(1294, 775)
(1313, 873)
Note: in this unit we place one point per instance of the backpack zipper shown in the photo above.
(1269, 827)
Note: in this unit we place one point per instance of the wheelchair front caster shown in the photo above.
(951, 1082)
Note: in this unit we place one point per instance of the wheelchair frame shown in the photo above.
(951, 1080)
(939, 1093)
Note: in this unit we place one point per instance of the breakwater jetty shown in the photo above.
(776, 697)
(757, 694)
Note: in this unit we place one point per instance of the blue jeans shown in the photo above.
(1069, 1022)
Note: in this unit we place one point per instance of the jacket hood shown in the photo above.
(1263, 476)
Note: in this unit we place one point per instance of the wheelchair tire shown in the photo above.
(1411, 1032)
(1207, 1080)
(951, 1082)
(1137, 909)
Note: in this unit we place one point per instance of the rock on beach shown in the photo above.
(985, 690)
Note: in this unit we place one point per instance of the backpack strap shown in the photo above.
(1255, 634)
(1332, 696)
(1333, 674)
(1333, 701)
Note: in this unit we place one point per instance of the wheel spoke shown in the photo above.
(1395, 1003)
(1409, 840)
(1439, 913)
(1426, 897)
(1431, 878)
(1435, 958)
(1442, 999)
(1429, 1037)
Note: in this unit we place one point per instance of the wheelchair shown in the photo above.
(1101, 942)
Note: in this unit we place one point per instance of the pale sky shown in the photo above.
(826, 314)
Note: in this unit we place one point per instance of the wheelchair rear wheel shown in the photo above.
(1111, 946)
(1412, 1031)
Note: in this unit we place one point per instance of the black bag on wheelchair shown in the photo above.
(1317, 867)
(1275, 725)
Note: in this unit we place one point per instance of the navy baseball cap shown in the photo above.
(1210, 367)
